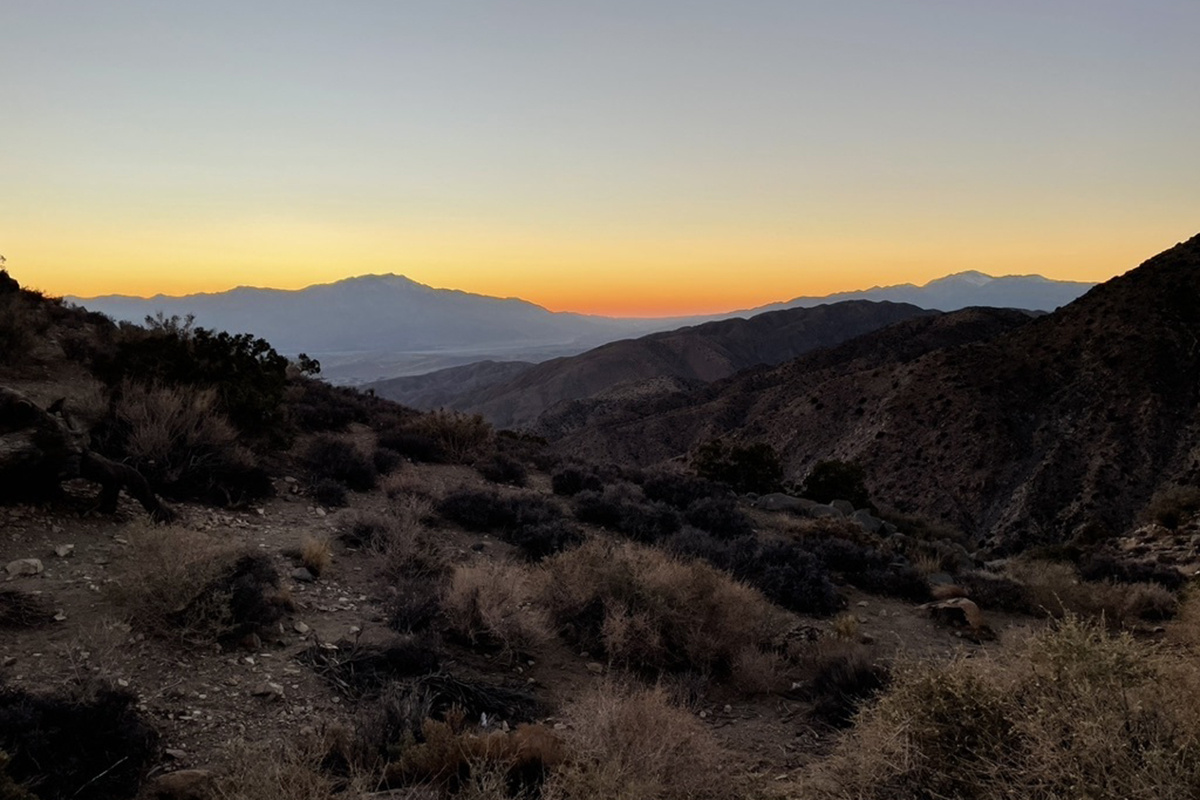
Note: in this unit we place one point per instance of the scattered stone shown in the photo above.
(64, 550)
(24, 566)
(844, 506)
(269, 691)
(820, 511)
(303, 575)
(60, 616)
(596, 667)
(185, 784)
(777, 501)
(300, 628)
(866, 638)
(8, 661)
(867, 521)
(175, 753)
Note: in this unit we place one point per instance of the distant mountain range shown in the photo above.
(516, 395)
(1022, 431)
(380, 326)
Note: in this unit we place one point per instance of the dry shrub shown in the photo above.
(462, 437)
(844, 676)
(1074, 712)
(283, 771)
(398, 537)
(405, 485)
(1174, 505)
(181, 583)
(491, 604)
(633, 744)
(474, 762)
(23, 610)
(315, 554)
(178, 438)
(649, 611)
(1055, 589)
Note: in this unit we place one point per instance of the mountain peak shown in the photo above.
(970, 277)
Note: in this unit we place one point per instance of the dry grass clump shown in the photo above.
(1074, 712)
(462, 437)
(492, 604)
(1174, 505)
(398, 536)
(284, 771)
(22, 610)
(633, 744)
(182, 583)
(1055, 589)
(316, 554)
(648, 611)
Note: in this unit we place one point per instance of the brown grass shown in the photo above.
(1056, 590)
(165, 577)
(398, 537)
(1073, 712)
(316, 554)
(174, 431)
(463, 437)
(632, 744)
(492, 604)
(659, 613)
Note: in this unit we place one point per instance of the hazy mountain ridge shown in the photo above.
(1069, 421)
(376, 327)
(700, 353)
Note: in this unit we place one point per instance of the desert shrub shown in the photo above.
(413, 604)
(94, 747)
(633, 744)
(386, 461)
(1075, 712)
(21, 328)
(476, 764)
(1174, 505)
(360, 670)
(571, 479)
(462, 437)
(329, 457)
(541, 539)
(746, 468)
(315, 554)
(621, 508)
(287, 770)
(183, 584)
(181, 442)
(490, 605)
(499, 468)
(330, 493)
(837, 480)
(317, 407)
(399, 537)
(999, 592)
(1055, 589)
(787, 574)
(249, 376)
(844, 678)
(22, 610)
(412, 444)
(9, 788)
(651, 612)
(681, 490)
(526, 520)
(1111, 567)
(719, 515)
(868, 569)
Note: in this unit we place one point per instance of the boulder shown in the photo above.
(867, 521)
(819, 511)
(844, 506)
(778, 501)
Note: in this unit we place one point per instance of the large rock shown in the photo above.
(844, 506)
(185, 784)
(867, 521)
(778, 501)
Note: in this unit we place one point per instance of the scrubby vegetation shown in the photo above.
(1075, 712)
(747, 468)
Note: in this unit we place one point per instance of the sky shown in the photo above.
(626, 157)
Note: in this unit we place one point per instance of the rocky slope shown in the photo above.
(1065, 424)
(701, 353)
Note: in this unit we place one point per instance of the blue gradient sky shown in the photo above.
(615, 157)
